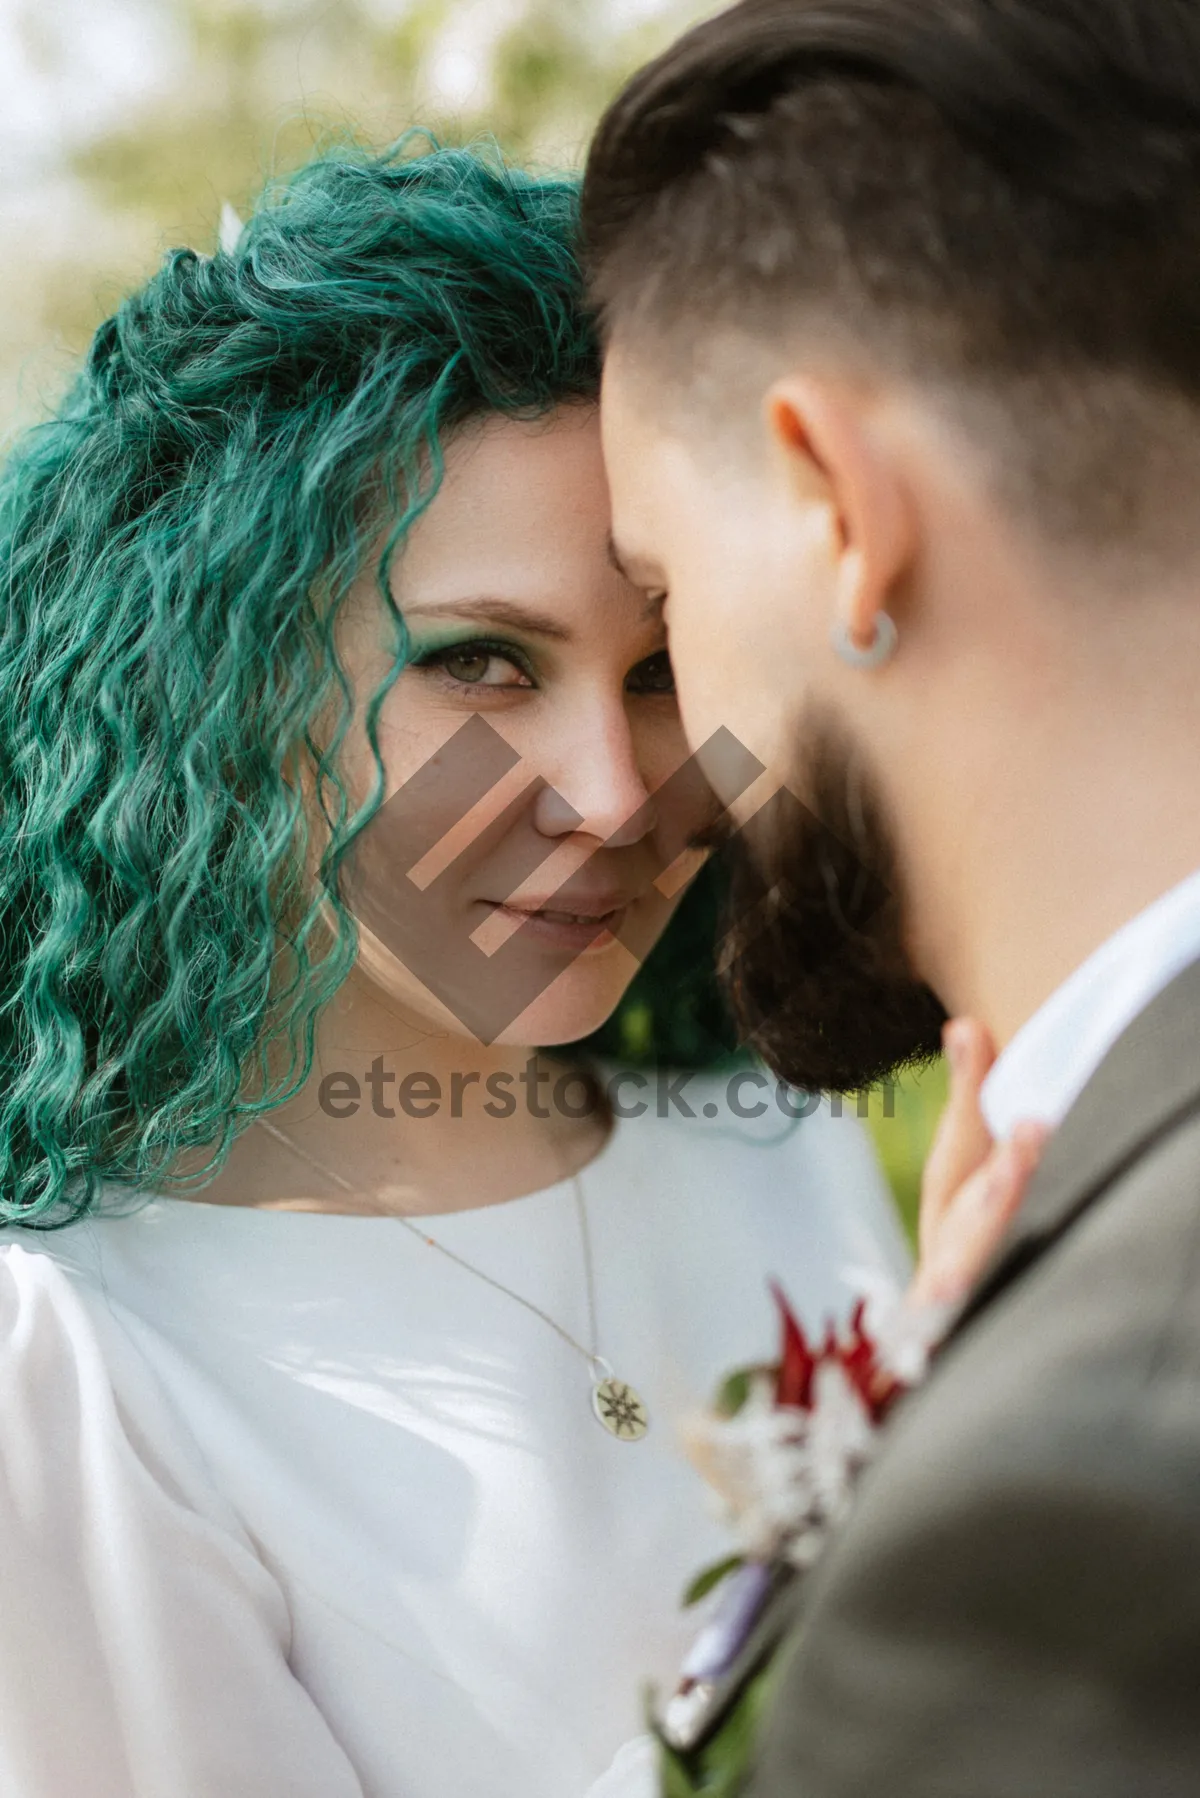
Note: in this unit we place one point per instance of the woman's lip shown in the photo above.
(563, 930)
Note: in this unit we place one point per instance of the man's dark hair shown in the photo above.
(999, 197)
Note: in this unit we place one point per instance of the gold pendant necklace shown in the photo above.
(616, 1405)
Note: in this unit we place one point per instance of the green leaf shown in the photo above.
(677, 1782)
(720, 1768)
(736, 1387)
(704, 1582)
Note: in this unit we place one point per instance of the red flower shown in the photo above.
(798, 1364)
(857, 1354)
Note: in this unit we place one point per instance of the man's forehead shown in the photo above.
(626, 392)
(637, 565)
(636, 461)
(671, 415)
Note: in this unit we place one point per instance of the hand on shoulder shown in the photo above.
(972, 1186)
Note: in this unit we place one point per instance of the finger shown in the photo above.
(962, 1141)
(979, 1217)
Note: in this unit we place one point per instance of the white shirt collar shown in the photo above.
(1052, 1057)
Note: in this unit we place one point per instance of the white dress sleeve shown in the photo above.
(635, 1772)
(143, 1644)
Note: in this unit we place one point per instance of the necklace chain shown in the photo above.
(616, 1405)
(592, 1356)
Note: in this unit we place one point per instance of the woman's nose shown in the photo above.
(597, 787)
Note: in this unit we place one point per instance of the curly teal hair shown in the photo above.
(175, 544)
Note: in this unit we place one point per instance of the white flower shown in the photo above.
(229, 230)
(904, 1334)
(783, 1474)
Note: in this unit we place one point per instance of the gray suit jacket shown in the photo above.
(1013, 1608)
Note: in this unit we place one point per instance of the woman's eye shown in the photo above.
(654, 675)
(478, 665)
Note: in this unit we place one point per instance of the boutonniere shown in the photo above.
(783, 1447)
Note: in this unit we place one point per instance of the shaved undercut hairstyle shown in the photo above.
(999, 199)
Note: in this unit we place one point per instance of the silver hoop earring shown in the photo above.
(882, 649)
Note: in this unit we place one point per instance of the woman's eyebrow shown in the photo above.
(497, 611)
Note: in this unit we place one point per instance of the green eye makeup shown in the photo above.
(467, 660)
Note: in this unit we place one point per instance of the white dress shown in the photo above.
(293, 1507)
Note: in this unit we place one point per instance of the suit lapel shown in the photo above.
(1149, 1080)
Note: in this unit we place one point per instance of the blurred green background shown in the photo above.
(903, 1139)
(126, 124)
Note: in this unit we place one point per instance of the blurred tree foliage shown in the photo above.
(903, 1133)
(264, 83)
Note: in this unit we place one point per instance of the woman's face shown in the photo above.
(507, 888)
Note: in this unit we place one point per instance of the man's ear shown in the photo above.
(825, 430)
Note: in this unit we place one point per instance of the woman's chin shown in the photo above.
(583, 997)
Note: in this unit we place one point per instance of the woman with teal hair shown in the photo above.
(359, 1253)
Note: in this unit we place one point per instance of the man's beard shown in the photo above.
(813, 959)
